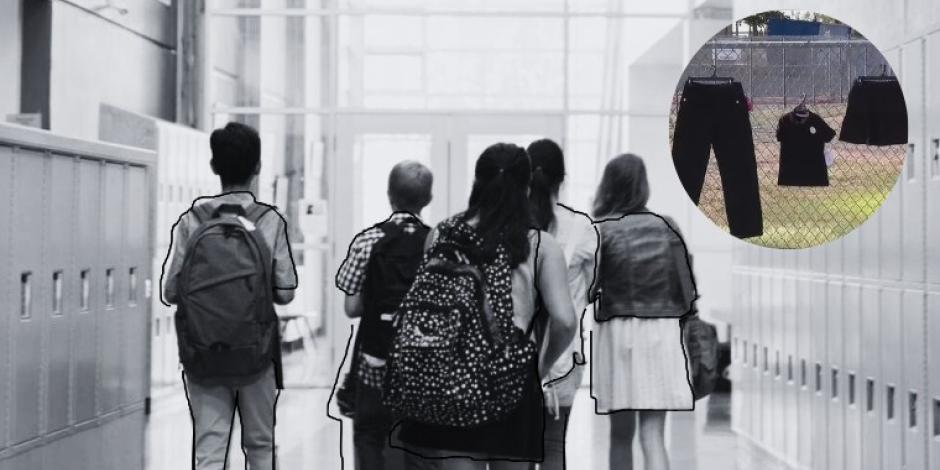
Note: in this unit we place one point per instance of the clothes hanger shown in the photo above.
(712, 79)
(884, 77)
(801, 111)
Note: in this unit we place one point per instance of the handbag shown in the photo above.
(701, 343)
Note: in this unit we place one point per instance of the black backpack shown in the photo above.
(225, 321)
(393, 265)
(457, 359)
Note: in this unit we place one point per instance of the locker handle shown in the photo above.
(936, 417)
(912, 409)
(889, 402)
(851, 390)
(26, 295)
(911, 169)
(109, 288)
(869, 394)
(83, 302)
(935, 162)
(835, 383)
(57, 292)
(132, 286)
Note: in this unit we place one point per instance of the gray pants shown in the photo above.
(213, 408)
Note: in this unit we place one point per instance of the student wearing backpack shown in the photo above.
(574, 231)
(463, 371)
(230, 262)
(644, 287)
(377, 272)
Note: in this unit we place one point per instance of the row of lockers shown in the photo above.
(75, 261)
(835, 375)
(835, 353)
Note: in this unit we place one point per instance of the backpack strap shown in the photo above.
(256, 211)
(202, 213)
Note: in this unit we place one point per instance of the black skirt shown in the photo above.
(876, 114)
(517, 437)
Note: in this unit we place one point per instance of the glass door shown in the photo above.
(470, 135)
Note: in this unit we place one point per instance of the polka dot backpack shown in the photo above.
(457, 358)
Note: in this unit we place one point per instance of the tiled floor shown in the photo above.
(308, 439)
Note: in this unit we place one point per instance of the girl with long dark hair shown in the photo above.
(577, 237)
(522, 268)
(639, 370)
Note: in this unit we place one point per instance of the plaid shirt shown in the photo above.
(351, 275)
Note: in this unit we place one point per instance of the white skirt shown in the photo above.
(639, 364)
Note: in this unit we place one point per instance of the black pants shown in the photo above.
(371, 427)
(717, 115)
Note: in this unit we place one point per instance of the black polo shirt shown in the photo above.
(802, 150)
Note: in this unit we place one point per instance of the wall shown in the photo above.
(122, 60)
(834, 347)
(10, 53)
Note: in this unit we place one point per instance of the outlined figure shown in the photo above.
(379, 269)
(577, 236)
(465, 348)
(644, 287)
(229, 262)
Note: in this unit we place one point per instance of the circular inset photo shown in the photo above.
(788, 129)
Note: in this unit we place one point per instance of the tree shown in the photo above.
(759, 22)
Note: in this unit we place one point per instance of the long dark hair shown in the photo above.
(624, 188)
(498, 199)
(548, 172)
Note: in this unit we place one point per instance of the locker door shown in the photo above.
(137, 258)
(912, 403)
(766, 361)
(932, 108)
(804, 372)
(789, 358)
(58, 249)
(892, 379)
(852, 328)
(871, 384)
(834, 373)
(819, 384)
(912, 82)
(27, 276)
(933, 376)
(757, 393)
(738, 335)
(8, 290)
(889, 217)
(778, 381)
(87, 279)
(110, 318)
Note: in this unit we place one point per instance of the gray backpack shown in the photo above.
(225, 321)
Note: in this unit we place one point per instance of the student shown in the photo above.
(577, 238)
(375, 275)
(639, 364)
(519, 265)
(219, 236)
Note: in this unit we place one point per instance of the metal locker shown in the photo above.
(7, 287)
(25, 274)
(136, 271)
(776, 372)
(871, 383)
(87, 280)
(891, 379)
(818, 383)
(912, 186)
(852, 331)
(870, 244)
(757, 395)
(110, 330)
(744, 388)
(738, 336)
(912, 399)
(833, 253)
(833, 374)
(58, 249)
(851, 253)
(790, 360)
(765, 359)
(803, 370)
(932, 178)
(932, 398)
(817, 261)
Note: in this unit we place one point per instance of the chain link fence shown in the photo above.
(775, 74)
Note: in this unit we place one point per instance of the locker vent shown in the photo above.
(889, 402)
(851, 389)
(819, 378)
(936, 417)
(870, 395)
(57, 292)
(803, 382)
(835, 383)
(912, 410)
(26, 295)
(109, 288)
(83, 302)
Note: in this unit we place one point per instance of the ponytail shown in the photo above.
(548, 172)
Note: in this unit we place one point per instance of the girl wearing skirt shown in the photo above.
(639, 371)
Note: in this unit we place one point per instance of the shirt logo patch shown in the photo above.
(812, 130)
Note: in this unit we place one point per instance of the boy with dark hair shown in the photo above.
(230, 262)
(378, 270)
